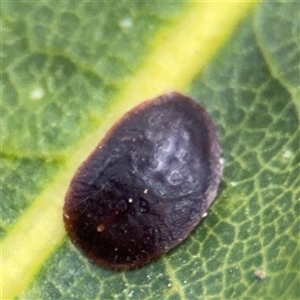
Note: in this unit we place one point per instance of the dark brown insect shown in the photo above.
(146, 185)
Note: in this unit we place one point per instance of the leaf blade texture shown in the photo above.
(67, 64)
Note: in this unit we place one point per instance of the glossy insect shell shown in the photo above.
(146, 185)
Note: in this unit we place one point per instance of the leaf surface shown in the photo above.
(70, 69)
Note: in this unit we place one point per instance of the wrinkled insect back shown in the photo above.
(146, 185)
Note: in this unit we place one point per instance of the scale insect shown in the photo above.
(147, 185)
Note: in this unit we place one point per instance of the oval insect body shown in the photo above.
(147, 184)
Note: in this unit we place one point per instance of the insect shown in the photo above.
(147, 184)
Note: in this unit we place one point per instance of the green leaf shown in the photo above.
(279, 43)
(64, 62)
(70, 69)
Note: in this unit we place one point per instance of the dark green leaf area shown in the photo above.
(259, 129)
(63, 64)
(21, 180)
(258, 203)
(278, 31)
